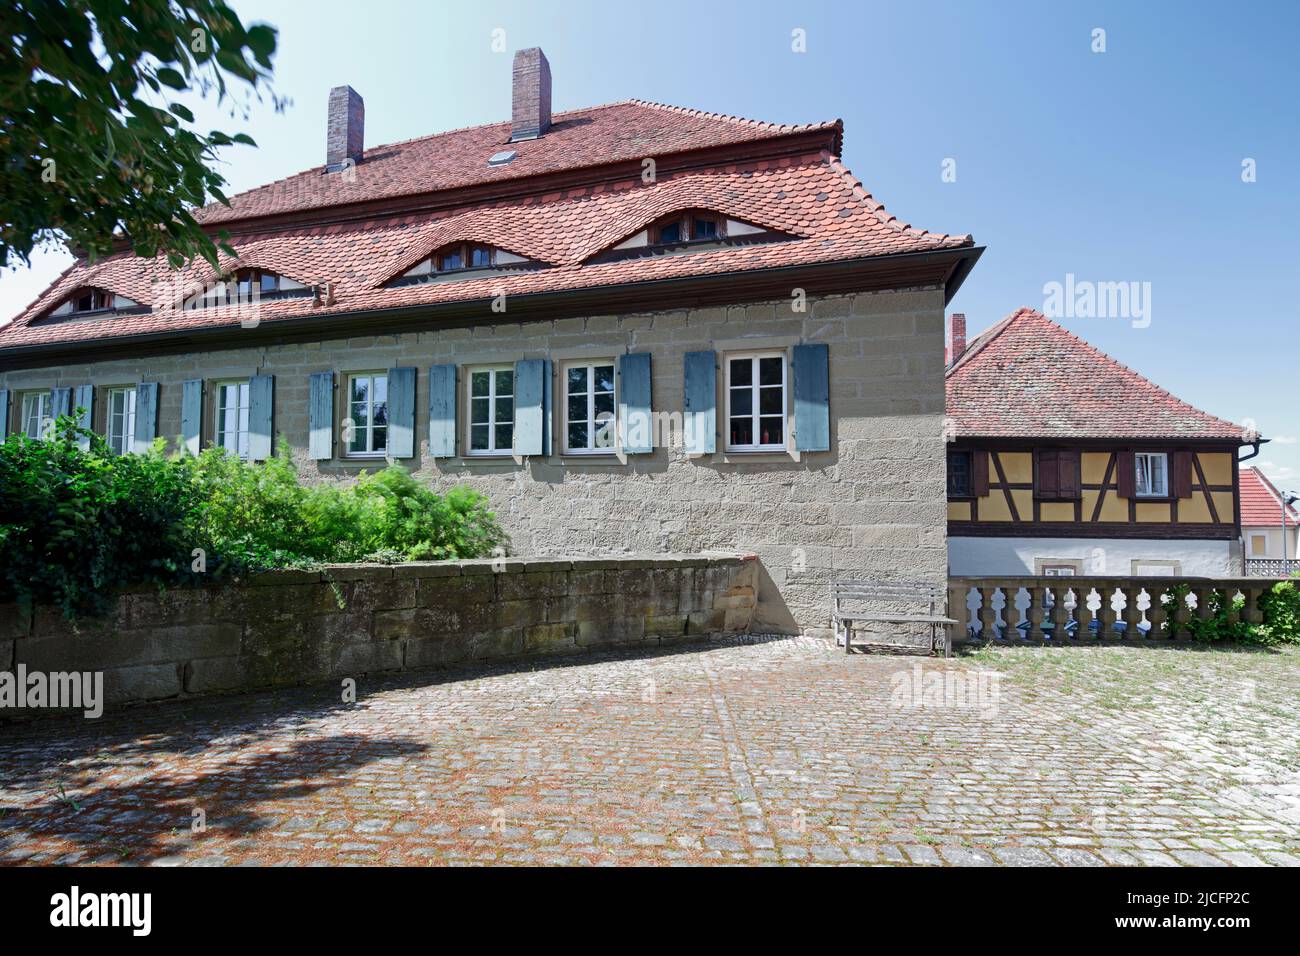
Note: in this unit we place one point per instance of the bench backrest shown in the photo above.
(933, 596)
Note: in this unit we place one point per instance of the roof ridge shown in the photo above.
(1271, 488)
(877, 208)
(739, 120)
(981, 341)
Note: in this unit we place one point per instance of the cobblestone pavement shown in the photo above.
(777, 750)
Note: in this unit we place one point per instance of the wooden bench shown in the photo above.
(891, 602)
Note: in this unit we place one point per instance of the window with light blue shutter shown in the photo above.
(261, 406)
(4, 413)
(532, 407)
(634, 403)
(442, 411)
(812, 398)
(84, 398)
(60, 402)
(146, 416)
(700, 414)
(320, 416)
(401, 412)
(192, 415)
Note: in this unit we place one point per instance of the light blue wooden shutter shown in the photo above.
(533, 407)
(84, 399)
(146, 417)
(192, 415)
(634, 403)
(261, 405)
(4, 413)
(700, 421)
(401, 412)
(442, 411)
(320, 416)
(812, 398)
(60, 402)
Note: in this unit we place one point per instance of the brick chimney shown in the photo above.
(530, 114)
(345, 134)
(956, 337)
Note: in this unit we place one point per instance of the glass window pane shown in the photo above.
(705, 229)
(360, 415)
(742, 372)
(380, 411)
(742, 401)
(506, 382)
(769, 371)
(773, 431)
(504, 437)
(381, 388)
(671, 232)
(479, 382)
(577, 378)
(478, 437)
(578, 435)
(771, 401)
(604, 378)
(742, 431)
(478, 409)
(505, 409)
(360, 389)
(577, 408)
(604, 403)
(380, 439)
(604, 437)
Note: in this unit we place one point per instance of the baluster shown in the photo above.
(1059, 614)
(1204, 603)
(958, 611)
(1132, 616)
(1034, 612)
(1157, 613)
(1106, 613)
(987, 616)
(1250, 610)
(1234, 612)
(1179, 614)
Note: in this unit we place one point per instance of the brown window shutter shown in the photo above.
(1126, 474)
(1047, 479)
(979, 473)
(1068, 472)
(1180, 477)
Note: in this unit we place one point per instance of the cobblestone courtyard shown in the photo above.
(778, 750)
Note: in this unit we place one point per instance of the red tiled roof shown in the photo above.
(1260, 502)
(813, 198)
(1027, 377)
(599, 135)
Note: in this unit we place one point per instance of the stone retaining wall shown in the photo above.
(294, 627)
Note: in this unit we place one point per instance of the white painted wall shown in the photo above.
(987, 557)
(1274, 538)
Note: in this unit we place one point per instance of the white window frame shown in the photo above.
(754, 357)
(590, 365)
(127, 417)
(1164, 474)
(43, 414)
(369, 451)
(243, 414)
(492, 451)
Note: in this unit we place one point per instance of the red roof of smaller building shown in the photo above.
(1027, 377)
(1261, 504)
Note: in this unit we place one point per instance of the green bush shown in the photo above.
(77, 526)
(1279, 607)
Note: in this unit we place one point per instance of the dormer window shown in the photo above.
(91, 301)
(461, 258)
(245, 286)
(693, 226)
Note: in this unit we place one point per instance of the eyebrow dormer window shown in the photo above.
(461, 257)
(246, 285)
(687, 227)
(90, 301)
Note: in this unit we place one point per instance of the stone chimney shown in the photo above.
(345, 134)
(530, 114)
(956, 337)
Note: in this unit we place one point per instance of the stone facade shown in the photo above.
(871, 506)
(295, 627)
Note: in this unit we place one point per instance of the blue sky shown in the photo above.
(1121, 166)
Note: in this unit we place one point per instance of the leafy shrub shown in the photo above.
(77, 526)
(1279, 607)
